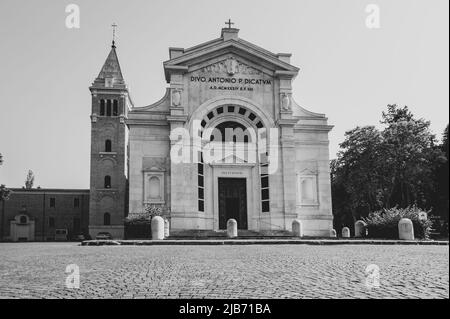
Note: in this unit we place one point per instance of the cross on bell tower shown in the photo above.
(114, 26)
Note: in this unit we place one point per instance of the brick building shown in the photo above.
(46, 210)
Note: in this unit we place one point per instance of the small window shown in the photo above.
(107, 181)
(242, 111)
(115, 108)
(265, 206)
(106, 219)
(108, 108)
(102, 107)
(108, 146)
(252, 117)
(265, 194)
(210, 115)
(220, 110)
(23, 219)
(51, 222)
(52, 202)
(201, 206)
(231, 109)
(76, 202)
(200, 181)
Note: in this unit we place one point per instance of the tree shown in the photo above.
(353, 173)
(411, 156)
(30, 180)
(441, 200)
(383, 169)
(4, 195)
(4, 192)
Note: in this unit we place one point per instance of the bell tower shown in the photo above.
(109, 150)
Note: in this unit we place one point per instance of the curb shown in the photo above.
(259, 242)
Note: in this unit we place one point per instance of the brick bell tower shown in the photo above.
(109, 150)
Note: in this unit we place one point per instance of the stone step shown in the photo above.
(222, 234)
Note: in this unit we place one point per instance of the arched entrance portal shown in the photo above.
(230, 183)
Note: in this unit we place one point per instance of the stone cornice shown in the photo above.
(313, 128)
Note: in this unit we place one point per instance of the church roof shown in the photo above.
(110, 75)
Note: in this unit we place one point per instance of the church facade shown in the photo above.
(227, 140)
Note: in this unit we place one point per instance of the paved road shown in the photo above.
(34, 270)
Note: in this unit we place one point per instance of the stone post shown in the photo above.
(232, 231)
(405, 229)
(157, 228)
(297, 228)
(333, 233)
(360, 229)
(166, 228)
(345, 232)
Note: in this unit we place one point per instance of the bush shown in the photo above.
(384, 223)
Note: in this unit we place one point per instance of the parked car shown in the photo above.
(103, 236)
(79, 238)
(61, 234)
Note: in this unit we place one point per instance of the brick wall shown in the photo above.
(36, 204)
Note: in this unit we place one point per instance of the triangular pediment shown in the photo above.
(189, 59)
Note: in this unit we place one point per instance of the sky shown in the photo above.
(348, 71)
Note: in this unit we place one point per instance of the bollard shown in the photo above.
(360, 229)
(232, 231)
(345, 232)
(166, 228)
(405, 229)
(157, 228)
(333, 233)
(297, 228)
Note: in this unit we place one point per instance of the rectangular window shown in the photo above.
(201, 183)
(102, 107)
(108, 108)
(76, 202)
(265, 206)
(51, 222)
(265, 182)
(116, 108)
(200, 168)
(265, 194)
(52, 202)
(201, 206)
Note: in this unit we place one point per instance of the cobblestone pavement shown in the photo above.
(36, 270)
